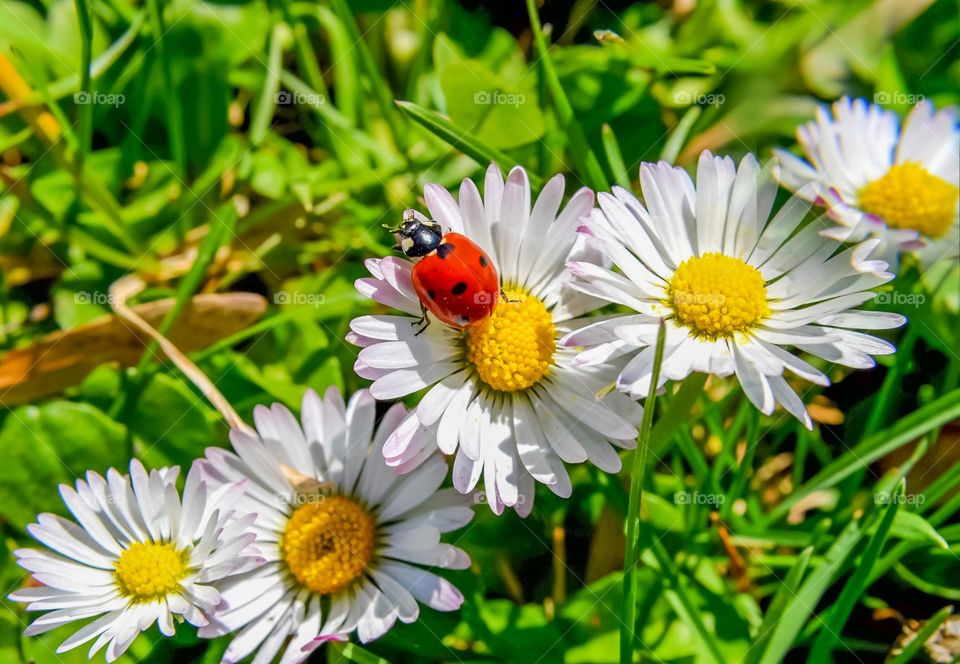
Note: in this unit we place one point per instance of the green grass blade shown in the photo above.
(16, 139)
(266, 104)
(908, 428)
(580, 149)
(303, 51)
(327, 112)
(940, 487)
(684, 606)
(614, 156)
(106, 253)
(631, 559)
(355, 653)
(802, 604)
(892, 382)
(99, 198)
(346, 75)
(176, 136)
(381, 90)
(464, 141)
(349, 143)
(787, 590)
(838, 614)
(921, 584)
(679, 133)
(69, 84)
(85, 111)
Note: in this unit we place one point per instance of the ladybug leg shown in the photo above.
(423, 322)
(503, 296)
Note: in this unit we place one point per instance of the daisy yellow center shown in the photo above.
(148, 571)
(716, 295)
(328, 544)
(512, 349)
(910, 197)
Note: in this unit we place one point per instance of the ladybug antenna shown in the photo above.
(408, 216)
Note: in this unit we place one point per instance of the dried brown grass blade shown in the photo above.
(63, 359)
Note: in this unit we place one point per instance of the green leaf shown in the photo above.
(81, 295)
(464, 141)
(678, 411)
(49, 445)
(912, 527)
(485, 103)
(516, 630)
(187, 428)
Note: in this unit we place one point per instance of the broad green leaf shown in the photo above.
(49, 445)
(188, 426)
(81, 295)
(486, 104)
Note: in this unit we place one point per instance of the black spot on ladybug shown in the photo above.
(444, 249)
(463, 320)
(431, 295)
(459, 288)
(483, 261)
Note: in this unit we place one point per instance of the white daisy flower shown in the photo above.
(732, 287)
(346, 539)
(503, 396)
(134, 556)
(903, 187)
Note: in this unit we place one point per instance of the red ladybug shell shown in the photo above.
(457, 281)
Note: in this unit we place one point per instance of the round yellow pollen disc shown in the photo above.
(513, 348)
(716, 295)
(327, 544)
(908, 197)
(147, 570)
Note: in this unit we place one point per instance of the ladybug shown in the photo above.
(454, 278)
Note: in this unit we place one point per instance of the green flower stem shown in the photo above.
(628, 626)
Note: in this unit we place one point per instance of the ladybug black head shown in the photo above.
(418, 238)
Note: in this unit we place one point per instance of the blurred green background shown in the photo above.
(215, 150)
